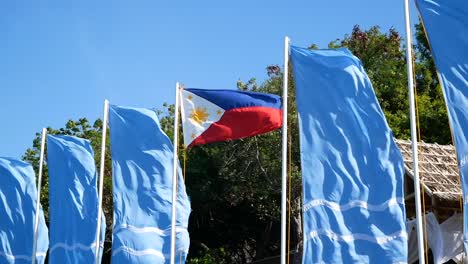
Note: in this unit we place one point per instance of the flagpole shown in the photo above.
(174, 175)
(39, 183)
(284, 151)
(101, 179)
(414, 140)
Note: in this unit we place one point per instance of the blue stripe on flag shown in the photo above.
(231, 99)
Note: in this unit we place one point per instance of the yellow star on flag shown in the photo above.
(190, 97)
(219, 112)
(199, 115)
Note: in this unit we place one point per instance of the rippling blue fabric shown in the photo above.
(142, 157)
(353, 205)
(18, 195)
(446, 25)
(73, 200)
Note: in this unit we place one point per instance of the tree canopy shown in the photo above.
(235, 187)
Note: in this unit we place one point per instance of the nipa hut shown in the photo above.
(439, 176)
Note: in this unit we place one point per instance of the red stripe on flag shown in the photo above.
(241, 123)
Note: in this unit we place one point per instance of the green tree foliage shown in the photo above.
(235, 187)
(433, 117)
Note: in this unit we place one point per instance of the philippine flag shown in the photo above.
(220, 115)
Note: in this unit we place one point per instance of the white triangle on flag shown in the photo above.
(197, 115)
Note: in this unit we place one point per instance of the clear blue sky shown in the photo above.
(59, 60)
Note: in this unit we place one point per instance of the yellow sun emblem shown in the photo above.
(199, 115)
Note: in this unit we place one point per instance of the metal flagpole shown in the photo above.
(284, 151)
(39, 183)
(101, 178)
(174, 176)
(414, 139)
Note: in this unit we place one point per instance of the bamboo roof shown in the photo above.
(438, 169)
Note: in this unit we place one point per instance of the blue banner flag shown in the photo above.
(446, 25)
(352, 169)
(18, 196)
(142, 157)
(73, 200)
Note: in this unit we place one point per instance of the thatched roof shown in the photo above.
(438, 169)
